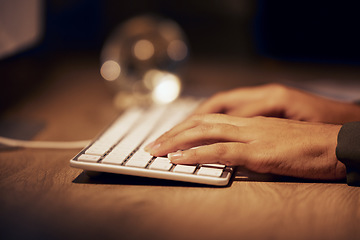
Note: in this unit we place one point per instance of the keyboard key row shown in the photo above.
(159, 163)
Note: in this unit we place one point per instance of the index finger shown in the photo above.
(215, 104)
(197, 120)
(229, 154)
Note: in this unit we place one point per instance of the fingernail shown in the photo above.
(151, 146)
(175, 155)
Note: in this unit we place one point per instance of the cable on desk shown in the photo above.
(43, 144)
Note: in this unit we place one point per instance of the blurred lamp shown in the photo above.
(141, 59)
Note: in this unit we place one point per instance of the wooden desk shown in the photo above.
(42, 197)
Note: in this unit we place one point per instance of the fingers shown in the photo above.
(199, 135)
(229, 154)
(265, 100)
(258, 108)
(222, 102)
(215, 104)
(250, 110)
(204, 134)
(197, 120)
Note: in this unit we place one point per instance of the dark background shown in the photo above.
(298, 30)
(320, 32)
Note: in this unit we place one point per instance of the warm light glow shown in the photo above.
(177, 50)
(167, 88)
(151, 78)
(144, 49)
(110, 70)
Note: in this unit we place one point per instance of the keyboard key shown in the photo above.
(214, 165)
(141, 154)
(163, 159)
(184, 169)
(136, 163)
(120, 127)
(139, 133)
(89, 158)
(95, 150)
(172, 118)
(212, 172)
(161, 164)
(113, 158)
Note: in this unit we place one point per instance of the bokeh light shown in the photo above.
(177, 50)
(110, 70)
(143, 49)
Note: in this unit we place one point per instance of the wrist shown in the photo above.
(350, 113)
(348, 151)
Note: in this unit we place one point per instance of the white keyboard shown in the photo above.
(120, 148)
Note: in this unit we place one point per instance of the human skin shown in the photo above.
(275, 100)
(301, 143)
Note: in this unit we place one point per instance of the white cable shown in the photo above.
(43, 144)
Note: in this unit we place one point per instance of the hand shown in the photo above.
(265, 145)
(274, 100)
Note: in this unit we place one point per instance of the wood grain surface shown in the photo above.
(42, 197)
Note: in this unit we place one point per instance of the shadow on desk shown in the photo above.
(241, 175)
(120, 179)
